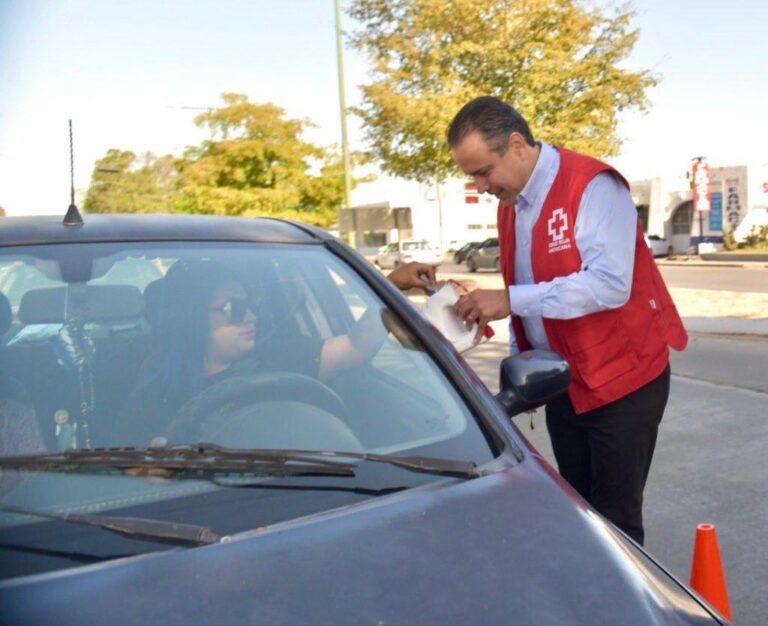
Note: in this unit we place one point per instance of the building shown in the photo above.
(739, 202)
(452, 213)
(390, 209)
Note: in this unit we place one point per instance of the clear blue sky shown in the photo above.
(119, 69)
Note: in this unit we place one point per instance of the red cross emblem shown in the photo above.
(557, 225)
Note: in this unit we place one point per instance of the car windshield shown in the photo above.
(418, 245)
(242, 346)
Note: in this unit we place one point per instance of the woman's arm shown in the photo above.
(369, 333)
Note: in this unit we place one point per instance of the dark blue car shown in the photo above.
(142, 483)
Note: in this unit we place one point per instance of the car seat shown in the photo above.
(19, 431)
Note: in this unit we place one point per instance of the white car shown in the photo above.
(408, 250)
(659, 246)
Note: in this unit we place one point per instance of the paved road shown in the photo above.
(720, 278)
(693, 277)
(709, 464)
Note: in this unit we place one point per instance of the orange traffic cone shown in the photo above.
(707, 575)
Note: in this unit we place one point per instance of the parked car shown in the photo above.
(461, 254)
(397, 492)
(406, 251)
(485, 256)
(659, 246)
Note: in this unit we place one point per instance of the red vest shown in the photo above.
(613, 352)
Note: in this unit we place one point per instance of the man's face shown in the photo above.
(504, 176)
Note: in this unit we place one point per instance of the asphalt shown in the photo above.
(735, 260)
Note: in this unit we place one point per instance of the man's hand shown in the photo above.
(407, 276)
(482, 306)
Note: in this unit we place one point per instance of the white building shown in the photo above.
(389, 209)
(739, 202)
(450, 214)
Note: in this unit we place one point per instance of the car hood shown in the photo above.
(512, 547)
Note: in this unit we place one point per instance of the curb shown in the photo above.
(700, 264)
(749, 257)
(726, 326)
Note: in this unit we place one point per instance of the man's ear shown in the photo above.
(516, 143)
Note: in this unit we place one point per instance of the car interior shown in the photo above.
(78, 348)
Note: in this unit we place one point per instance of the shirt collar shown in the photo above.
(544, 164)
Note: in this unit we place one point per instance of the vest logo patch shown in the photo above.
(557, 225)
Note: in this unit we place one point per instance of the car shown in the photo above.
(408, 250)
(397, 491)
(461, 254)
(485, 256)
(659, 246)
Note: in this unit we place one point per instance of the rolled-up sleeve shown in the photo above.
(605, 233)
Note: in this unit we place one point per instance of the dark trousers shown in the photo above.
(605, 454)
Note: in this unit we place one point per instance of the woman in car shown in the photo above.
(208, 331)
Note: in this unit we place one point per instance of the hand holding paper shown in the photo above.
(481, 306)
(439, 310)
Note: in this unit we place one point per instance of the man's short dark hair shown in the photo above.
(494, 119)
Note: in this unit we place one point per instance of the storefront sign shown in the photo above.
(733, 203)
(716, 212)
(702, 196)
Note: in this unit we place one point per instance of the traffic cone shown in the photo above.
(707, 575)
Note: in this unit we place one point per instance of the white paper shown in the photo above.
(439, 311)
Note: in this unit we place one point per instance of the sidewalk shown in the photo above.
(722, 312)
(717, 259)
(702, 310)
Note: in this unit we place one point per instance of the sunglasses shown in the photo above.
(234, 310)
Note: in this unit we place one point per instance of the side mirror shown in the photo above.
(530, 379)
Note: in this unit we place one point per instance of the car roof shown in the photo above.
(48, 229)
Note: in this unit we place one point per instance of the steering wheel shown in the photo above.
(271, 407)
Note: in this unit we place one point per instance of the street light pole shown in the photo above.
(343, 106)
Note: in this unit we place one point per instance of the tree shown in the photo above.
(557, 61)
(2, 212)
(124, 183)
(254, 164)
(257, 164)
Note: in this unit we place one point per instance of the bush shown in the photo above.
(757, 238)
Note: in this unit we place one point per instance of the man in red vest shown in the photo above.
(580, 281)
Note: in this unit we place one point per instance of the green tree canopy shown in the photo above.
(559, 62)
(256, 163)
(124, 183)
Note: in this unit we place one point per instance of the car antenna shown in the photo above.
(73, 217)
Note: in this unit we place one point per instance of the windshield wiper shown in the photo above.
(420, 464)
(210, 457)
(192, 461)
(131, 527)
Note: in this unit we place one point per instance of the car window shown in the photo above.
(128, 351)
(417, 245)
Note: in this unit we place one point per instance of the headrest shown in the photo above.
(6, 317)
(154, 301)
(102, 303)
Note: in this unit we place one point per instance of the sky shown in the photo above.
(133, 75)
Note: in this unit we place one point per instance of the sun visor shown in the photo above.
(102, 303)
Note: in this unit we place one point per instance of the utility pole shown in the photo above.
(343, 111)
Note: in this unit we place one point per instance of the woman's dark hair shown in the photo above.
(182, 325)
(494, 119)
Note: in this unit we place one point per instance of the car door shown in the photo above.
(389, 256)
(487, 253)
